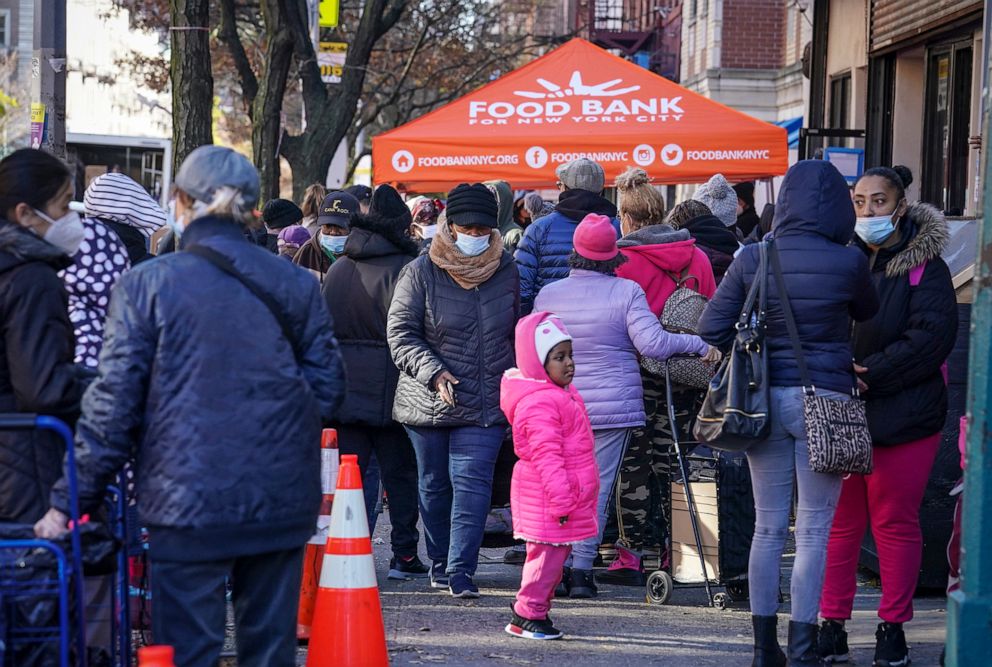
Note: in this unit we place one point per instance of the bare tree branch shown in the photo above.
(228, 33)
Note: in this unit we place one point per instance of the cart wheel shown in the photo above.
(659, 587)
(721, 600)
(738, 591)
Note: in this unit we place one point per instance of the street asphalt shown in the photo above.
(429, 627)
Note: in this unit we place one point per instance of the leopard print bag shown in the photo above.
(837, 433)
(681, 314)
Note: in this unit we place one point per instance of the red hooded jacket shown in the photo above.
(655, 254)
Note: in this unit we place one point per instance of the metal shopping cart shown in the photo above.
(43, 608)
(65, 588)
(711, 552)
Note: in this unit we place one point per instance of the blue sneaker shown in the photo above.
(438, 577)
(462, 586)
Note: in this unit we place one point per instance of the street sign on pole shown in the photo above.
(329, 12)
(331, 59)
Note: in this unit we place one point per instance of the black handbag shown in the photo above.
(837, 435)
(735, 412)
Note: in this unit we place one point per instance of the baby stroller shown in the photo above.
(42, 595)
(712, 521)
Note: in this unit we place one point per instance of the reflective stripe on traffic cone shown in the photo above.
(347, 624)
(313, 558)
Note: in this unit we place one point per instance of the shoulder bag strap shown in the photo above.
(224, 264)
(790, 322)
(758, 288)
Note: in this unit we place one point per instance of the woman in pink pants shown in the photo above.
(899, 357)
(555, 484)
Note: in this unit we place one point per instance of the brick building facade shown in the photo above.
(747, 54)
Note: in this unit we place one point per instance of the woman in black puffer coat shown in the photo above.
(37, 373)
(358, 289)
(899, 356)
(450, 331)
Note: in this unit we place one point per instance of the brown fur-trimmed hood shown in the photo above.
(931, 238)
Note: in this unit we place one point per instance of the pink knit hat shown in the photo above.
(596, 238)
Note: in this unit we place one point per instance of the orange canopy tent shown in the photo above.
(577, 101)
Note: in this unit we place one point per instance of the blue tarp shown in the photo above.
(792, 125)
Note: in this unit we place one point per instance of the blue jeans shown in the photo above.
(774, 463)
(455, 466)
(611, 444)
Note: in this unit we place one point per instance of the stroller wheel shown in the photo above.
(659, 587)
(721, 600)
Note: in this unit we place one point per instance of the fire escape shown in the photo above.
(643, 31)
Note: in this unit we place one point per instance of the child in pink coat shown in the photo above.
(556, 482)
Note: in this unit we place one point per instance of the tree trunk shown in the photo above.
(192, 80)
(329, 114)
(266, 130)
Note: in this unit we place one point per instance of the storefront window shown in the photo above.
(947, 116)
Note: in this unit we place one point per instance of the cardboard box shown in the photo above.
(686, 567)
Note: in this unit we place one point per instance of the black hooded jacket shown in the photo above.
(358, 289)
(904, 345)
(827, 280)
(37, 373)
(716, 240)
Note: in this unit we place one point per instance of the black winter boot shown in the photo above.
(767, 652)
(803, 645)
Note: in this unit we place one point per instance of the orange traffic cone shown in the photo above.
(314, 555)
(347, 623)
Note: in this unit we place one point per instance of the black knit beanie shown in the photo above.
(281, 213)
(472, 205)
(745, 192)
(388, 205)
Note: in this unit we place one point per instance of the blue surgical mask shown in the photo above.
(333, 244)
(472, 245)
(874, 230)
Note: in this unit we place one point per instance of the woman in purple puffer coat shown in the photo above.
(611, 324)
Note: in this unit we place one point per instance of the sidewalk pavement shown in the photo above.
(428, 627)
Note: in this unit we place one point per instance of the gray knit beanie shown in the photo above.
(720, 198)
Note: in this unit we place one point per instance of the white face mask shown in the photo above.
(66, 233)
(170, 219)
(472, 245)
(427, 231)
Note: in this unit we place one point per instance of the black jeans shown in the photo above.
(190, 609)
(398, 472)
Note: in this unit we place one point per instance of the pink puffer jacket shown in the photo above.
(556, 475)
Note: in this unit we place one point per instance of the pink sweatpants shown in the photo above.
(890, 498)
(542, 573)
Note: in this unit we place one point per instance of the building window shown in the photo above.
(946, 128)
(840, 101)
(5, 28)
(840, 106)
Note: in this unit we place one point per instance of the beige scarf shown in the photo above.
(468, 272)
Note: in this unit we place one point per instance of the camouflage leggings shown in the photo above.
(643, 498)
